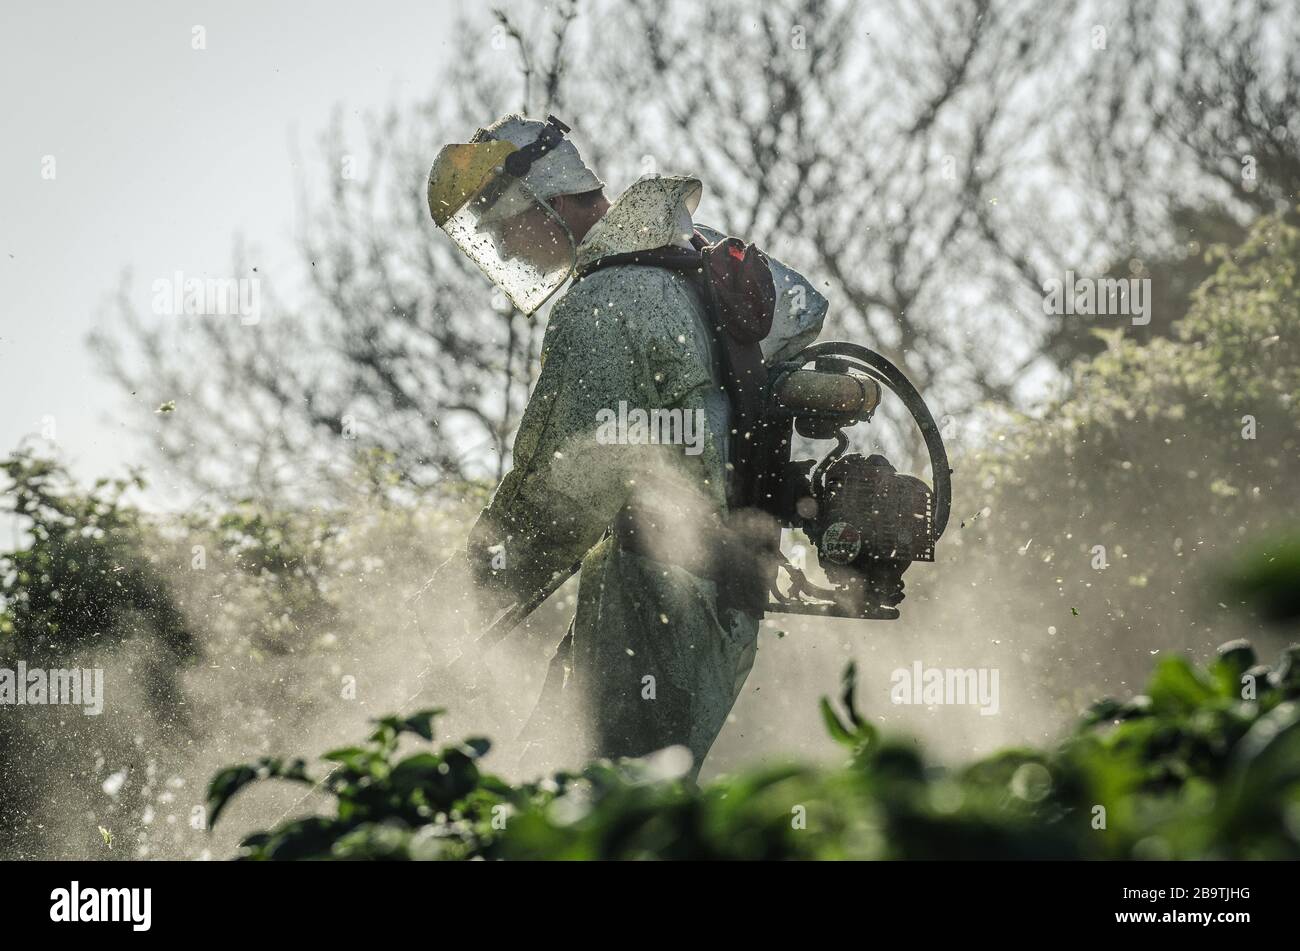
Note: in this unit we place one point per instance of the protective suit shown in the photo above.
(653, 656)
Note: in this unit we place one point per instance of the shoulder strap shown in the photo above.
(676, 259)
(736, 285)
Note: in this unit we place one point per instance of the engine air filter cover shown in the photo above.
(870, 512)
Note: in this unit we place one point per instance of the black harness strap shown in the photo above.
(753, 444)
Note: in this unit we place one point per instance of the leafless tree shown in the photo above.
(927, 163)
(1184, 126)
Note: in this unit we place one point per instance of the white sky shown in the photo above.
(163, 154)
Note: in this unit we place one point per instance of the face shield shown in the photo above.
(498, 222)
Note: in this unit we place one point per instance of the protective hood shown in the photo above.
(561, 171)
(656, 211)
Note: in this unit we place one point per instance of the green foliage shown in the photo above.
(1175, 272)
(1267, 577)
(88, 585)
(379, 795)
(1105, 520)
(87, 570)
(283, 563)
(858, 735)
(1205, 764)
(217, 630)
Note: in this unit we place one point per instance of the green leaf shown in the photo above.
(421, 723)
(1100, 711)
(1235, 658)
(1265, 766)
(849, 687)
(1269, 577)
(309, 838)
(839, 733)
(234, 778)
(355, 759)
(1176, 687)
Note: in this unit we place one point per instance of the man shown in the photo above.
(658, 649)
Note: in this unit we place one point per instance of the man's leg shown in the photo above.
(654, 662)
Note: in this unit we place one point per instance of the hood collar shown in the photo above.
(654, 211)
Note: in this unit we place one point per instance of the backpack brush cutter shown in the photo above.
(867, 521)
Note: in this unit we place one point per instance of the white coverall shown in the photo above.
(651, 659)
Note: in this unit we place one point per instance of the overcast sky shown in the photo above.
(162, 154)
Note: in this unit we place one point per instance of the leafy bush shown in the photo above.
(1205, 764)
(222, 634)
(87, 586)
(1089, 535)
(88, 569)
(1169, 455)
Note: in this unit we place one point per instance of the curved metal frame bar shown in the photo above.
(884, 371)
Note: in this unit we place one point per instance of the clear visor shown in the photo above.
(517, 241)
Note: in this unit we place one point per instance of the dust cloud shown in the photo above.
(131, 782)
